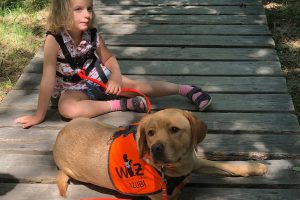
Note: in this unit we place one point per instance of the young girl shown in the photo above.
(73, 44)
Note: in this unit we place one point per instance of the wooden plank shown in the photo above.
(211, 68)
(179, 10)
(36, 63)
(27, 168)
(184, 19)
(189, 41)
(15, 191)
(231, 103)
(194, 54)
(222, 102)
(208, 68)
(182, 29)
(49, 192)
(280, 175)
(22, 168)
(176, 2)
(27, 141)
(233, 123)
(252, 146)
(278, 123)
(196, 193)
(31, 81)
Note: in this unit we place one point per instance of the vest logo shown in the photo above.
(130, 169)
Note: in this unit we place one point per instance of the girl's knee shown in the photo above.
(68, 111)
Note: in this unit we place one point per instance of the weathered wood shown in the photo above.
(222, 102)
(49, 192)
(189, 41)
(238, 194)
(182, 29)
(42, 169)
(211, 68)
(179, 10)
(267, 123)
(184, 19)
(39, 141)
(31, 81)
(199, 54)
(176, 2)
(16, 191)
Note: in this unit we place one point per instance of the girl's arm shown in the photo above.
(114, 84)
(46, 86)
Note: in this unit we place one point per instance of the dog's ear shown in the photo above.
(198, 128)
(141, 137)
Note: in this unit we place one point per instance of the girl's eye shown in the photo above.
(90, 9)
(77, 9)
(150, 133)
(174, 129)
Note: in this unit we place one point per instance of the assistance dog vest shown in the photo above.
(130, 174)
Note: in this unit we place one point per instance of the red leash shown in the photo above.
(82, 75)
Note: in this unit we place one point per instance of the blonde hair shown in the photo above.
(60, 16)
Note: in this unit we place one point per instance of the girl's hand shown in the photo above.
(28, 120)
(113, 87)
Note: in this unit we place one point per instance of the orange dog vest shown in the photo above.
(130, 174)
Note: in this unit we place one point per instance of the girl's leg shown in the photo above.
(151, 88)
(73, 104)
(161, 88)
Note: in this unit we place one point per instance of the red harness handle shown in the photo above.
(82, 75)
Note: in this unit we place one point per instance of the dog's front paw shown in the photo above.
(261, 169)
(254, 169)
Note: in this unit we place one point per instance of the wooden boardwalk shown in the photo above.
(223, 46)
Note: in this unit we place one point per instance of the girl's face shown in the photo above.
(82, 14)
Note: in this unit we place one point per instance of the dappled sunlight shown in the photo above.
(294, 44)
(260, 53)
(277, 169)
(260, 146)
(275, 6)
(119, 28)
(134, 51)
(240, 125)
(265, 70)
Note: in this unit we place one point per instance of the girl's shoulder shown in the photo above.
(51, 42)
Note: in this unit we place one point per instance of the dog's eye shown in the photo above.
(150, 133)
(174, 129)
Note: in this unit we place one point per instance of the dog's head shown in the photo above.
(170, 134)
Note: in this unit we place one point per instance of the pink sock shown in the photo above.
(185, 89)
(115, 105)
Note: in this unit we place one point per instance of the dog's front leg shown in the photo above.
(159, 196)
(228, 169)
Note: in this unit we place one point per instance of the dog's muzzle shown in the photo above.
(158, 151)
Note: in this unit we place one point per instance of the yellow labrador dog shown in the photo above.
(166, 140)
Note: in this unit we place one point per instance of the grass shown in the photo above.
(284, 22)
(22, 25)
(21, 35)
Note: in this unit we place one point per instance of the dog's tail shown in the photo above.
(62, 183)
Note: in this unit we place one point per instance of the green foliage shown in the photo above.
(27, 5)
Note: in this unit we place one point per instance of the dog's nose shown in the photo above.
(157, 149)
